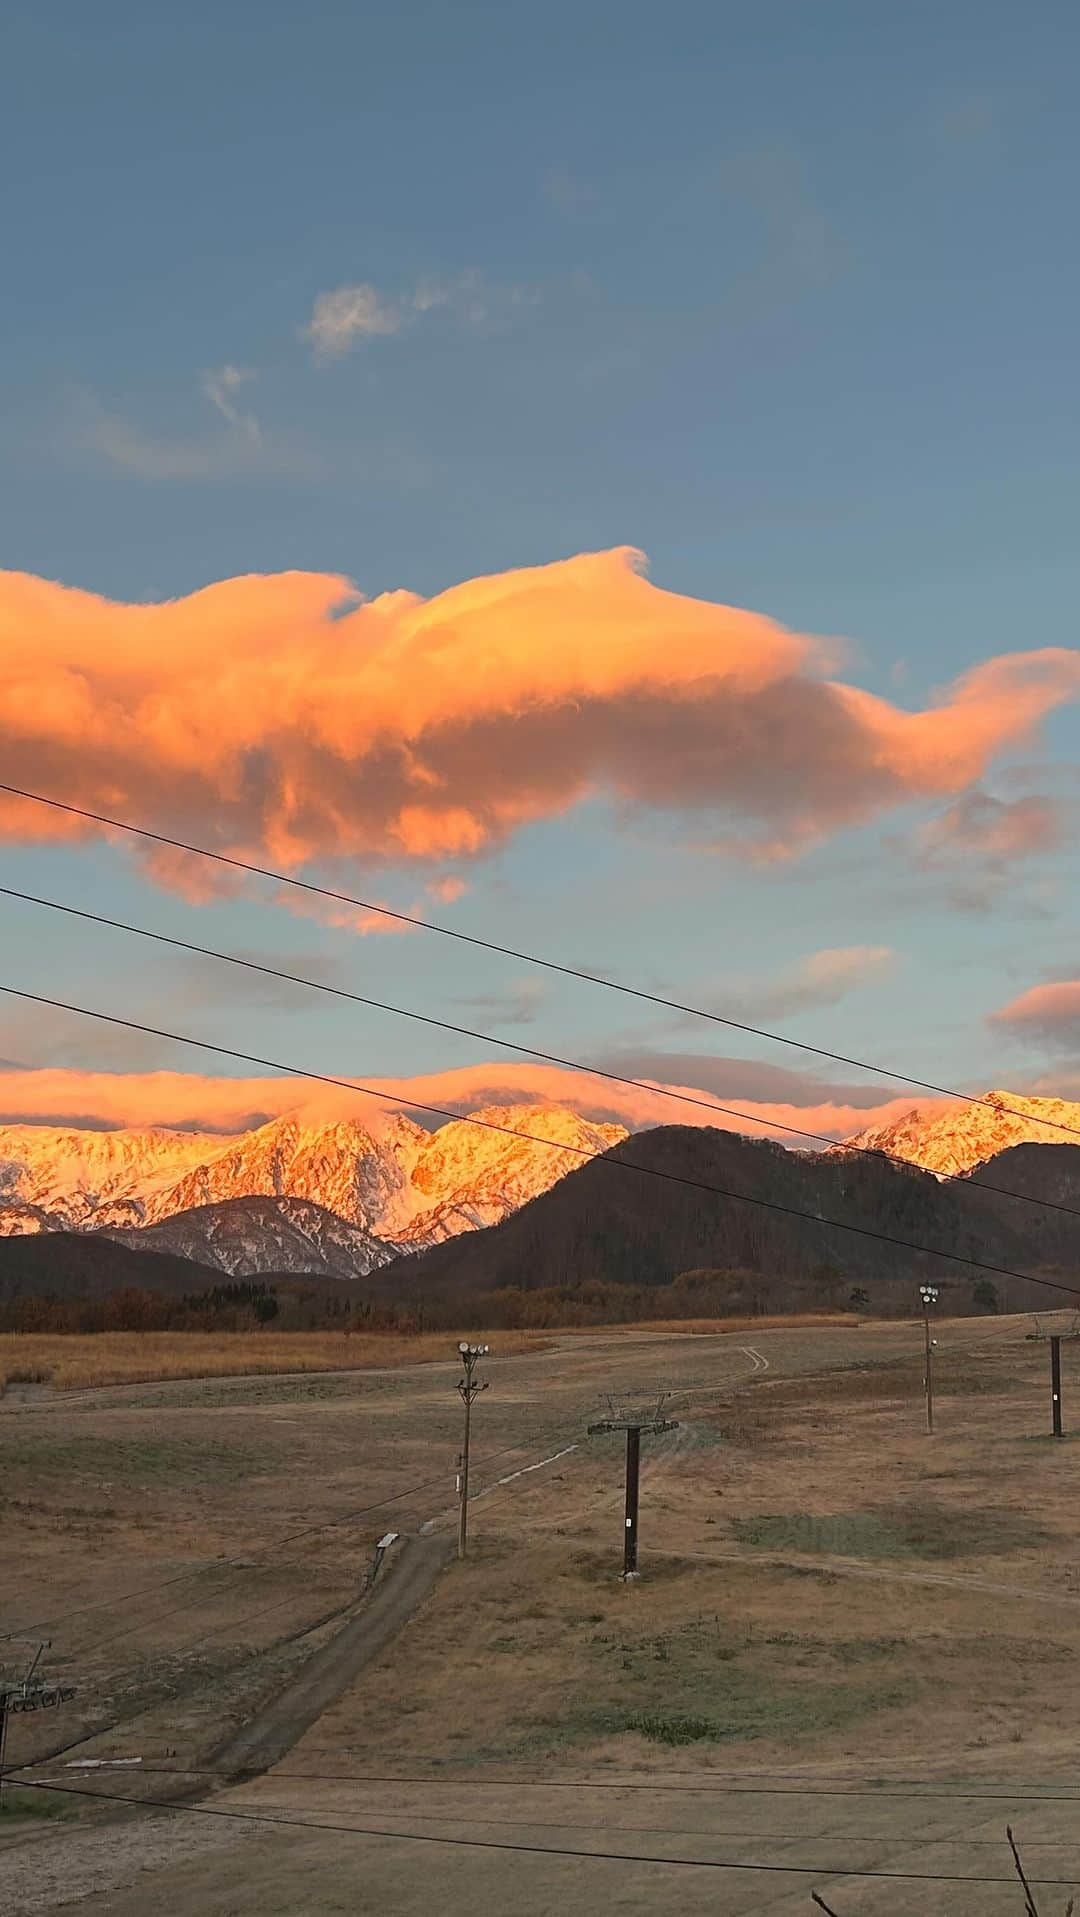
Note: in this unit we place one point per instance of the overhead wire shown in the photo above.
(277, 1564)
(669, 1092)
(536, 1850)
(582, 1153)
(526, 958)
(715, 1784)
(241, 1561)
(524, 1820)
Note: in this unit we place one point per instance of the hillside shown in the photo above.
(249, 1237)
(78, 1265)
(608, 1224)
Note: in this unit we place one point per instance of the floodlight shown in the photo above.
(463, 1348)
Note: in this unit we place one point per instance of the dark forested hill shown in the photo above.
(71, 1264)
(608, 1223)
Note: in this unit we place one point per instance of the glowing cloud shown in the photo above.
(1047, 1012)
(283, 718)
(190, 1101)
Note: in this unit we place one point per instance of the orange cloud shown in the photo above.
(282, 718)
(190, 1101)
(1047, 1012)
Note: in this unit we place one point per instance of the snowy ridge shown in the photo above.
(392, 1184)
(960, 1137)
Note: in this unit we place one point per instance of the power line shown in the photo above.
(580, 1152)
(277, 1564)
(225, 1564)
(512, 1045)
(536, 1850)
(667, 1830)
(715, 1785)
(527, 958)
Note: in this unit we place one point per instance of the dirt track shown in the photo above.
(282, 1720)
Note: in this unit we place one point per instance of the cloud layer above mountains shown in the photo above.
(190, 1101)
(283, 718)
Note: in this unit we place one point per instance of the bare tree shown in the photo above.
(1031, 1908)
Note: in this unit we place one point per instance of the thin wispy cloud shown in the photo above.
(570, 195)
(981, 843)
(241, 450)
(799, 248)
(220, 386)
(339, 320)
(819, 978)
(518, 1004)
(351, 315)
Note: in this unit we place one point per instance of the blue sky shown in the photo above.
(786, 297)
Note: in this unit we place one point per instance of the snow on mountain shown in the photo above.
(389, 1180)
(960, 1137)
(76, 1178)
(465, 1177)
(247, 1236)
(358, 1172)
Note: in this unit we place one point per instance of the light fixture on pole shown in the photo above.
(929, 1295)
(468, 1388)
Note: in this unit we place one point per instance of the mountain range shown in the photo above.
(386, 1186)
(344, 1199)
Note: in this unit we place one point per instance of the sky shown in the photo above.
(602, 479)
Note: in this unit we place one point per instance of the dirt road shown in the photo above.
(282, 1721)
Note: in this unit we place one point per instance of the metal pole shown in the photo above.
(1055, 1384)
(929, 1371)
(463, 1513)
(633, 1464)
(3, 1736)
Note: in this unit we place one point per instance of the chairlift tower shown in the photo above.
(633, 1424)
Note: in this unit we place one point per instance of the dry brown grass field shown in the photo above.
(853, 1653)
(73, 1362)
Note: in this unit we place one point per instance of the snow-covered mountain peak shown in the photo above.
(956, 1137)
(381, 1173)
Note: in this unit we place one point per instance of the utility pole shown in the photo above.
(633, 1427)
(929, 1295)
(1055, 1384)
(468, 1387)
(28, 1693)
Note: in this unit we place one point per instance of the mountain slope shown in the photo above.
(962, 1136)
(250, 1236)
(82, 1265)
(386, 1176)
(610, 1224)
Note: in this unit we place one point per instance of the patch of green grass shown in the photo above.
(920, 1531)
(24, 1803)
(214, 1393)
(671, 1730)
(740, 1706)
(124, 1460)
